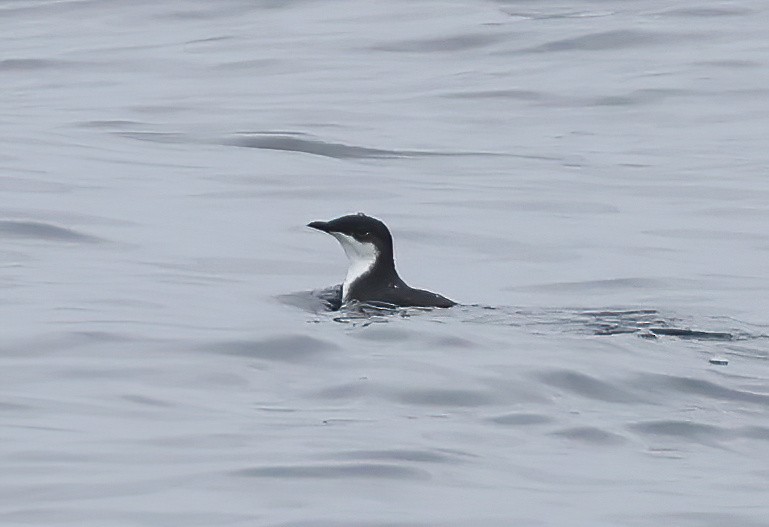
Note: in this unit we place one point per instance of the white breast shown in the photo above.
(362, 257)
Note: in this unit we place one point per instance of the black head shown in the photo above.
(362, 228)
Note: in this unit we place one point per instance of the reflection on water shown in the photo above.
(645, 323)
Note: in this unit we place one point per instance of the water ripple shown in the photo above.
(289, 348)
(706, 12)
(35, 64)
(445, 44)
(697, 387)
(335, 471)
(699, 432)
(521, 419)
(43, 231)
(418, 456)
(307, 145)
(590, 387)
(352, 523)
(590, 435)
(695, 432)
(609, 40)
(445, 397)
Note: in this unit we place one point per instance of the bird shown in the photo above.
(371, 276)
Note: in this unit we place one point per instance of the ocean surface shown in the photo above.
(587, 178)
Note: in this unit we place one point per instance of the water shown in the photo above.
(567, 171)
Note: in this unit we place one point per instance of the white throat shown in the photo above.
(362, 257)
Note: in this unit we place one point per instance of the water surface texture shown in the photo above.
(589, 179)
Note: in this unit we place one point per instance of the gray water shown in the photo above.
(562, 169)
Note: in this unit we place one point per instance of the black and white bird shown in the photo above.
(371, 277)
